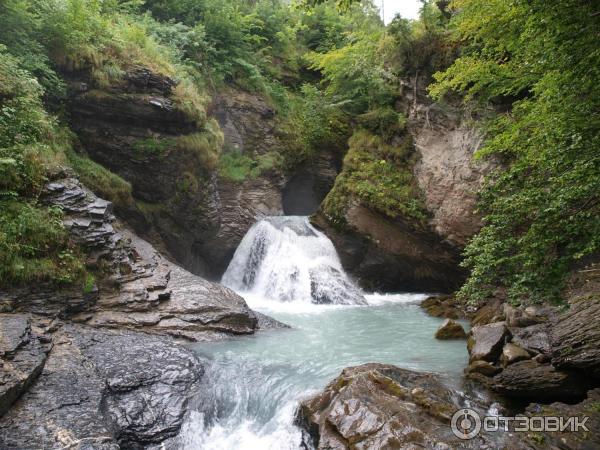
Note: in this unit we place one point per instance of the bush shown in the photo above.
(34, 246)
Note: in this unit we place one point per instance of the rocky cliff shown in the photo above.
(101, 368)
(391, 253)
(251, 130)
(159, 140)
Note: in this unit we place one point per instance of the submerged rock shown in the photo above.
(104, 390)
(450, 330)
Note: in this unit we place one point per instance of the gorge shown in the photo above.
(270, 225)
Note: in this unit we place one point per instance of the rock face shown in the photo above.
(136, 129)
(450, 330)
(22, 357)
(575, 338)
(378, 406)
(388, 255)
(445, 140)
(250, 127)
(104, 390)
(142, 290)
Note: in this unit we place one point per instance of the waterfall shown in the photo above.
(286, 259)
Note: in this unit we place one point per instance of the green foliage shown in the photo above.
(379, 176)
(34, 246)
(205, 146)
(236, 167)
(542, 212)
(355, 74)
(313, 124)
(33, 242)
(104, 183)
(421, 47)
(154, 146)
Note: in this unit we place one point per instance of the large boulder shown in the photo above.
(450, 329)
(105, 390)
(534, 339)
(529, 380)
(485, 342)
(512, 353)
(377, 406)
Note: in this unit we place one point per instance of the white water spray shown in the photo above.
(287, 259)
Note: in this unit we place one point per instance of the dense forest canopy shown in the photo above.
(333, 73)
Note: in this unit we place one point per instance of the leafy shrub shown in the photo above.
(34, 246)
(33, 242)
(205, 146)
(542, 212)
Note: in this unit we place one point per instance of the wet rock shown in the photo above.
(90, 395)
(516, 317)
(534, 339)
(482, 367)
(575, 337)
(377, 406)
(490, 312)
(529, 380)
(450, 330)
(22, 357)
(485, 342)
(567, 439)
(268, 323)
(447, 306)
(512, 353)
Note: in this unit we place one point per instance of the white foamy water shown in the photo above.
(287, 259)
(252, 385)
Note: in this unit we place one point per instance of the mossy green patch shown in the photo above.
(379, 175)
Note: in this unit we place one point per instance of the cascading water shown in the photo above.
(285, 258)
(287, 269)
